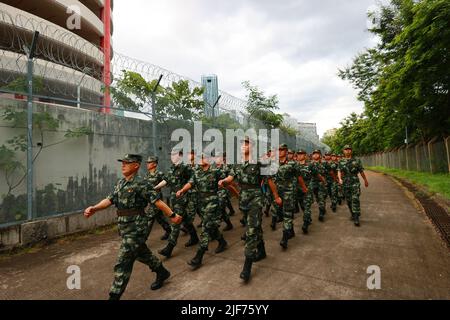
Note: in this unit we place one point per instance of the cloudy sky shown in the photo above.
(292, 48)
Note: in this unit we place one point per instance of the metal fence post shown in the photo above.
(30, 66)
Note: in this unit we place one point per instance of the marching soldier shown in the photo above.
(206, 180)
(249, 175)
(130, 196)
(177, 176)
(154, 177)
(318, 182)
(285, 179)
(224, 194)
(349, 168)
(333, 164)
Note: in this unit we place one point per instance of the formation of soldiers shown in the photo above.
(205, 189)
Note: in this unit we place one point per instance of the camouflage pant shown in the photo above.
(352, 191)
(223, 198)
(287, 209)
(211, 220)
(320, 195)
(180, 206)
(134, 233)
(334, 193)
(306, 203)
(193, 205)
(154, 214)
(251, 203)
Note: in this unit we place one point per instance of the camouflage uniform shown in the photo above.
(134, 194)
(307, 199)
(285, 180)
(224, 195)
(350, 168)
(177, 176)
(153, 179)
(318, 189)
(206, 183)
(251, 200)
(193, 199)
(334, 186)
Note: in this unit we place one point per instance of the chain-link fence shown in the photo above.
(72, 149)
(431, 156)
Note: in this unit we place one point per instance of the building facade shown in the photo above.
(211, 85)
(74, 52)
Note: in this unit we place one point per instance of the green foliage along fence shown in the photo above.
(432, 156)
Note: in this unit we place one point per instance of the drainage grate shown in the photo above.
(437, 214)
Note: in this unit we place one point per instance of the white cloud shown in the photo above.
(290, 48)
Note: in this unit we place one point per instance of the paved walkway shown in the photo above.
(329, 263)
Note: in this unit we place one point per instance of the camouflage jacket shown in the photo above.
(178, 175)
(136, 193)
(286, 176)
(316, 168)
(304, 171)
(207, 181)
(350, 169)
(154, 178)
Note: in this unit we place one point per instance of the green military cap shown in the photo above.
(290, 151)
(130, 158)
(301, 151)
(317, 151)
(328, 154)
(347, 146)
(283, 146)
(176, 151)
(247, 139)
(334, 155)
(152, 159)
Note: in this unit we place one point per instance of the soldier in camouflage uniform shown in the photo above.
(206, 181)
(224, 194)
(333, 164)
(177, 176)
(339, 157)
(307, 172)
(286, 179)
(349, 168)
(154, 177)
(192, 208)
(130, 196)
(249, 175)
(318, 182)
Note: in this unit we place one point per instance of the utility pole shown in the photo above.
(154, 114)
(30, 66)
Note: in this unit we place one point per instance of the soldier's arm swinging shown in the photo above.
(183, 190)
(340, 177)
(105, 203)
(226, 181)
(161, 205)
(302, 184)
(322, 178)
(233, 190)
(161, 185)
(366, 182)
(274, 190)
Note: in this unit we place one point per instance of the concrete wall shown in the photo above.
(73, 173)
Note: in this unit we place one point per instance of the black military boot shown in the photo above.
(162, 274)
(244, 237)
(334, 207)
(114, 296)
(167, 251)
(321, 215)
(196, 262)
(273, 225)
(229, 225)
(291, 233)
(261, 252)
(349, 205)
(243, 222)
(247, 270)
(194, 238)
(305, 228)
(167, 230)
(356, 221)
(222, 245)
(284, 240)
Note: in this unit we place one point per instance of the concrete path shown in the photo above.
(329, 263)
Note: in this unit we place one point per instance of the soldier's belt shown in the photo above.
(245, 186)
(207, 194)
(130, 212)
